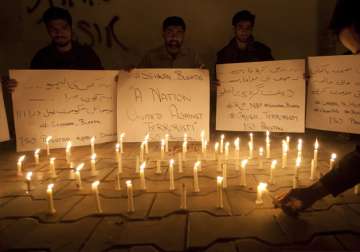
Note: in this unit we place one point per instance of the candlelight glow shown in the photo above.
(142, 167)
(219, 179)
(316, 145)
(37, 151)
(50, 187)
(298, 162)
(216, 146)
(93, 157)
(171, 162)
(128, 183)
(262, 186)
(117, 147)
(28, 176)
(261, 151)
(244, 163)
(273, 164)
(95, 184)
(333, 156)
(80, 167)
(21, 159)
(92, 140)
(68, 146)
(48, 139)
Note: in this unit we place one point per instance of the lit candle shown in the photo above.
(288, 142)
(285, 149)
(222, 143)
(219, 190)
(216, 150)
(261, 188)
(180, 163)
(227, 144)
(167, 143)
(267, 144)
(297, 166)
(299, 148)
(47, 141)
(37, 156)
(205, 148)
(243, 172)
(121, 142)
(78, 176)
(49, 192)
(316, 147)
(272, 168)
(137, 164)
(158, 167)
(92, 142)
(251, 135)
(28, 181)
(68, 152)
(313, 170)
(118, 158)
(237, 148)
(183, 203)
(130, 195)
(184, 149)
(162, 149)
(261, 161)
(251, 150)
(146, 143)
(93, 165)
(20, 165)
(95, 189)
(142, 146)
(196, 178)
(185, 137)
(332, 161)
(118, 182)
(52, 168)
(224, 175)
(142, 176)
(171, 175)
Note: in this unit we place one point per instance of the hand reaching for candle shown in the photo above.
(10, 84)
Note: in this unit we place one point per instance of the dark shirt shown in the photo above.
(255, 51)
(80, 57)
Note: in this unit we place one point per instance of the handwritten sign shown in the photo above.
(4, 130)
(333, 101)
(261, 96)
(163, 101)
(68, 105)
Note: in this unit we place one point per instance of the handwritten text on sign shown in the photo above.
(4, 130)
(261, 96)
(334, 94)
(65, 104)
(163, 101)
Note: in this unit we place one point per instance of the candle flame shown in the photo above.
(202, 133)
(197, 164)
(298, 162)
(142, 167)
(237, 141)
(128, 183)
(261, 150)
(37, 151)
(219, 179)
(316, 145)
(92, 140)
(50, 187)
(122, 135)
(95, 184)
(216, 146)
(48, 139)
(28, 176)
(251, 135)
(117, 147)
(267, 133)
(93, 157)
(262, 186)
(171, 161)
(79, 167)
(162, 142)
(21, 159)
(68, 145)
(273, 164)
(244, 163)
(333, 156)
(52, 160)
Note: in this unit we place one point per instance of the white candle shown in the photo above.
(93, 165)
(216, 150)
(185, 137)
(261, 161)
(162, 149)
(180, 163)
(49, 192)
(272, 168)
(68, 152)
(20, 165)
(285, 150)
(167, 143)
(118, 158)
(251, 150)
(312, 170)
(95, 189)
(184, 149)
(121, 142)
(146, 143)
(288, 142)
(52, 168)
(205, 148)
(219, 181)
(268, 144)
(92, 142)
(28, 181)
(261, 188)
(332, 161)
(299, 148)
(227, 144)
(118, 182)
(142, 177)
(142, 146)
(222, 137)
(316, 147)
(297, 166)
(130, 195)
(237, 149)
(37, 156)
(251, 135)
(196, 178)
(243, 172)
(78, 176)
(171, 175)
(47, 141)
(158, 167)
(183, 203)
(224, 175)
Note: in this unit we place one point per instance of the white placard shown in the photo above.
(65, 104)
(163, 101)
(261, 96)
(333, 101)
(4, 129)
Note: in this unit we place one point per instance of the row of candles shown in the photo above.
(221, 155)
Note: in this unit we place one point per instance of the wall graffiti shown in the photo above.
(96, 34)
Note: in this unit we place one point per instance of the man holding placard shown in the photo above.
(243, 47)
(172, 54)
(346, 174)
